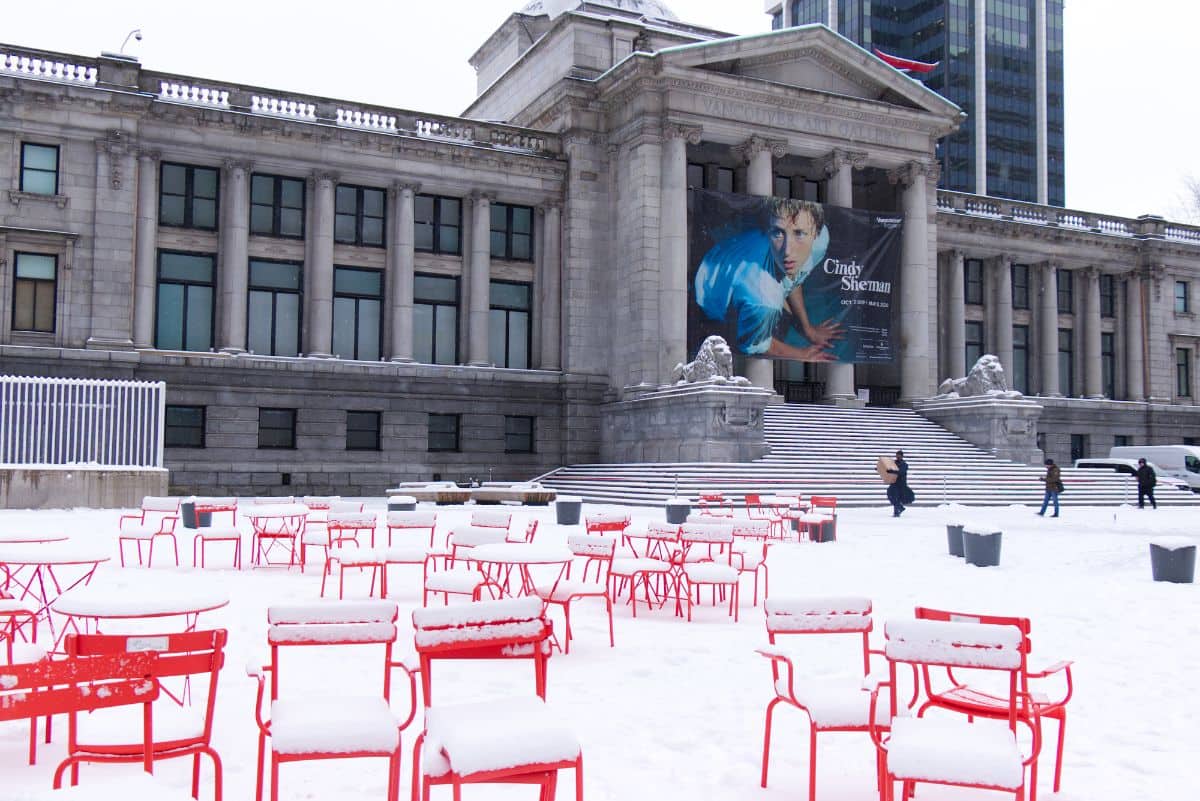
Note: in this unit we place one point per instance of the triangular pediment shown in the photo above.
(811, 57)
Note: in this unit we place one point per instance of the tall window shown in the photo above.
(184, 310)
(973, 282)
(797, 187)
(1108, 295)
(518, 434)
(277, 428)
(1020, 365)
(187, 196)
(39, 169)
(362, 431)
(274, 320)
(1183, 372)
(709, 176)
(509, 325)
(1078, 447)
(1182, 302)
(1065, 281)
(973, 336)
(438, 224)
(512, 232)
(443, 432)
(359, 215)
(1066, 362)
(1108, 363)
(357, 313)
(35, 291)
(1122, 440)
(276, 206)
(435, 319)
(184, 427)
(1020, 286)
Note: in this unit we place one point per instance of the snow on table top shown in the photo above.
(136, 594)
(333, 612)
(67, 552)
(496, 735)
(520, 553)
(275, 510)
(9, 537)
(949, 643)
(99, 785)
(1173, 543)
(477, 612)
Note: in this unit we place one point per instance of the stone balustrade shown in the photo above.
(283, 107)
(192, 94)
(370, 120)
(44, 69)
(444, 129)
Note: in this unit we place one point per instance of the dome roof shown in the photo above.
(651, 9)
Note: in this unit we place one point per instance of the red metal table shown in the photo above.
(33, 570)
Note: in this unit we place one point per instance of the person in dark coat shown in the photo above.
(1146, 481)
(1053, 481)
(898, 492)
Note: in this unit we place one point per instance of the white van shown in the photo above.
(1128, 467)
(1181, 461)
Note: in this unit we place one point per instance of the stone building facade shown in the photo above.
(340, 297)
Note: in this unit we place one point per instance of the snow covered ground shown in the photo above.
(675, 711)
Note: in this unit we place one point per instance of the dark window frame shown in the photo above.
(277, 206)
(1108, 295)
(159, 280)
(1108, 364)
(1183, 372)
(19, 281)
(1064, 285)
(973, 282)
(1021, 347)
(1020, 286)
(1066, 378)
(970, 342)
(189, 196)
(57, 167)
(290, 429)
(436, 303)
(357, 297)
(374, 430)
(437, 224)
(1183, 298)
(513, 439)
(430, 444)
(275, 292)
(359, 215)
(509, 233)
(508, 310)
(201, 429)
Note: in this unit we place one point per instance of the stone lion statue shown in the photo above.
(714, 362)
(986, 378)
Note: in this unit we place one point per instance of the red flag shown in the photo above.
(906, 64)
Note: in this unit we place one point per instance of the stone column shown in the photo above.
(1048, 334)
(1003, 308)
(400, 270)
(1093, 371)
(672, 248)
(1135, 347)
(478, 287)
(760, 180)
(549, 306)
(145, 249)
(319, 285)
(914, 280)
(839, 168)
(956, 319)
(234, 280)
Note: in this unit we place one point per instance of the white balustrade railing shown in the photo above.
(445, 130)
(78, 422)
(518, 141)
(1182, 234)
(282, 107)
(195, 95)
(369, 120)
(29, 67)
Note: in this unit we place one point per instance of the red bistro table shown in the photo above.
(132, 597)
(502, 557)
(33, 569)
(275, 525)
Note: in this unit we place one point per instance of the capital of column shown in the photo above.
(1091, 273)
(479, 195)
(551, 205)
(855, 159)
(149, 154)
(758, 144)
(322, 177)
(913, 171)
(237, 164)
(679, 130)
(400, 187)
(1003, 258)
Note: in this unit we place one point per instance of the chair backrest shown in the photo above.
(470, 536)
(350, 521)
(530, 532)
(712, 497)
(273, 499)
(332, 623)
(491, 518)
(14, 615)
(153, 503)
(60, 686)
(753, 528)
(598, 522)
(827, 503)
(715, 537)
(821, 615)
(657, 530)
(592, 546)
(341, 506)
(946, 615)
(753, 500)
(190, 653)
(321, 501)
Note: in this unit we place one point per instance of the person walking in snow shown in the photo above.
(898, 493)
(1146, 481)
(1053, 481)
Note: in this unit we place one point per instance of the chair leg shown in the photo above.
(258, 784)
(1062, 732)
(812, 761)
(608, 605)
(766, 752)
(274, 778)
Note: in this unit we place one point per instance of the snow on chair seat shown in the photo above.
(401, 521)
(640, 571)
(834, 703)
(102, 787)
(207, 534)
(342, 725)
(460, 745)
(982, 753)
(596, 551)
(156, 518)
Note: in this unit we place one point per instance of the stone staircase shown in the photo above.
(825, 450)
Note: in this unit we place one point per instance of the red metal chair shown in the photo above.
(491, 518)
(757, 510)
(217, 532)
(469, 579)
(316, 525)
(958, 751)
(598, 551)
(19, 622)
(707, 561)
(606, 523)
(750, 550)
(179, 730)
(69, 686)
(822, 514)
(651, 570)
(831, 705)
(402, 522)
(528, 535)
(324, 724)
(958, 695)
(715, 504)
(157, 518)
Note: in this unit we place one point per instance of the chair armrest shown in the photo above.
(163, 528)
(777, 656)
(872, 726)
(411, 666)
(1035, 729)
(1055, 668)
(121, 520)
(259, 672)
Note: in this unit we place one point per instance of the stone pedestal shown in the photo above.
(704, 422)
(1004, 427)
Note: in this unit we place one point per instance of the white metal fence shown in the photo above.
(73, 421)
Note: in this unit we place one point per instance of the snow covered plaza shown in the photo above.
(675, 710)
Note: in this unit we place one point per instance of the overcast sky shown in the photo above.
(1131, 112)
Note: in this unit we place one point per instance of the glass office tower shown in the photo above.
(1011, 144)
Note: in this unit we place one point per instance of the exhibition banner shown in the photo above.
(793, 279)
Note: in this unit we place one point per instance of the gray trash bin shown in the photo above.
(954, 538)
(567, 509)
(187, 511)
(678, 510)
(1173, 559)
(402, 503)
(981, 548)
